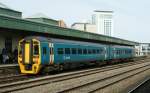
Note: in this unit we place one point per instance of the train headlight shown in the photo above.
(35, 60)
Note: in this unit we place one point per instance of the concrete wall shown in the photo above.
(91, 28)
(2, 43)
(85, 27)
(78, 26)
(15, 37)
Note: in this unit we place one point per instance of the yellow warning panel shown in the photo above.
(27, 53)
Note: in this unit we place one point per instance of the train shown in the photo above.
(38, 54)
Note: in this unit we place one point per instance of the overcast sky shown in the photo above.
(131, 17)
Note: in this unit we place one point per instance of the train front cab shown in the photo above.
(29, 56)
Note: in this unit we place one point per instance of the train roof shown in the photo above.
(56, 40)
(63, 41)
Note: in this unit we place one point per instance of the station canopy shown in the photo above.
(4, 6)
(6, 11)
(11, 19)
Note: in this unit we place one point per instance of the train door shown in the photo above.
(51, 53)
(114, 53)
(109, 55)
(106, 52)
(45, 53)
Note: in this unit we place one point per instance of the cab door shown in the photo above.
(45, 53)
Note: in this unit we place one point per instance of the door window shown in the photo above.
(36, 50)
(44, 50)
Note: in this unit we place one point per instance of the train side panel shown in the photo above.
(121, 52)
(78, 53)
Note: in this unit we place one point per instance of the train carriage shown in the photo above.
(121, 52)
(38, 53)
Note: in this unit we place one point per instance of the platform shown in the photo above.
(9, 69)
(8, 65)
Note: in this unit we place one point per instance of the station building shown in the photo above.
(142, 49)
(8, 37)
(13, 28)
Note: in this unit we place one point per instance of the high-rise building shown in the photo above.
(103, 21)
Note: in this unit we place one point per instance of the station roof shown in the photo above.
(32, 26)
(4, 6)
(5, 10)
(39, 17)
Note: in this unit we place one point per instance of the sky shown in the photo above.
(131, 17)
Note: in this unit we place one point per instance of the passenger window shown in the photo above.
(117, 52)
(79, 51)
(130, 51)
(114, 51)
(44, 50)
(60, 51)
(89, 51)
(74, 51)
(101, 51)
(36, 50)
(67, 50)
(98, 51)
(126, 52)
(84, 51)
(94, 51)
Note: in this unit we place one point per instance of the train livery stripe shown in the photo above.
(51, 56)
(52, 53)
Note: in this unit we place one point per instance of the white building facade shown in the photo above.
(143, 49)
(104, 22)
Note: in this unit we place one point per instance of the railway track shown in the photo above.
(15, 86)
(14, 78)
(8, 69)
(141, 84)
(17, 77)
(98, 85)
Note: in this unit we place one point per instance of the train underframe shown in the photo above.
(70, 65)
